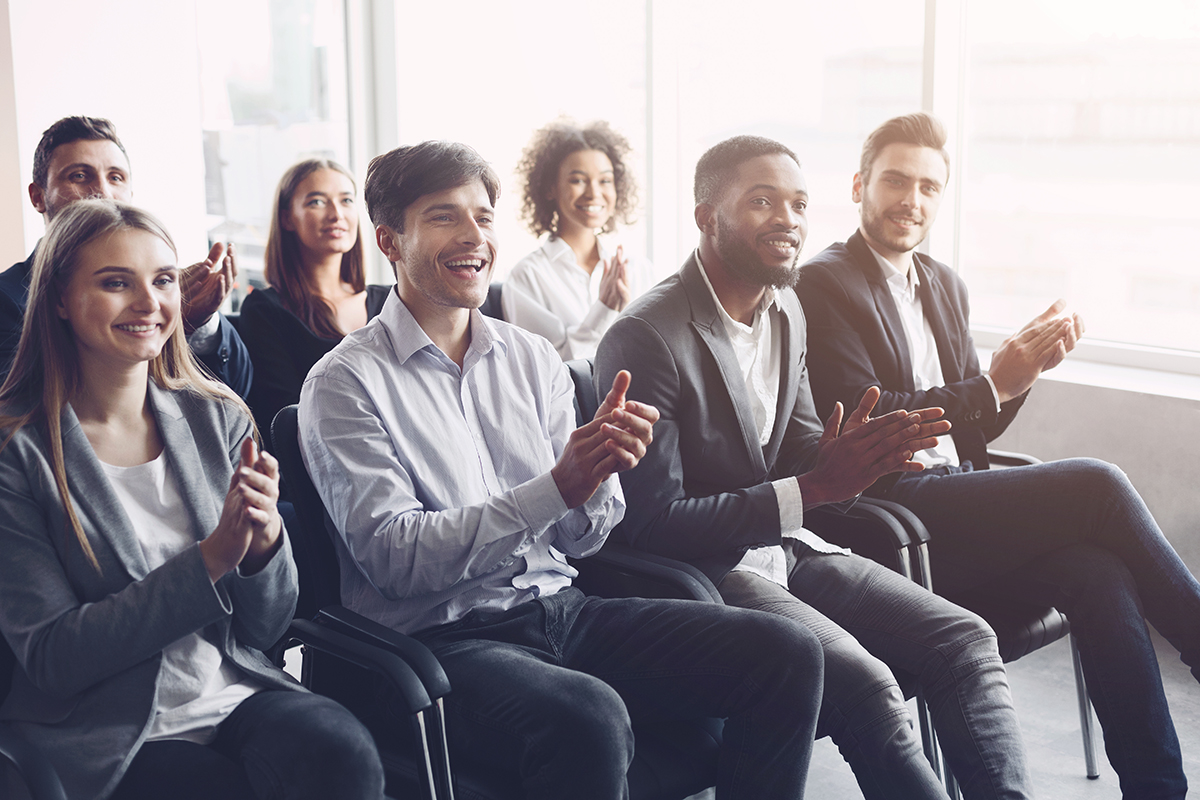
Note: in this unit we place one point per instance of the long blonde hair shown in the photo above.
(46, 374)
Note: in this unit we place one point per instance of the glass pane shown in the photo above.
(500, 71)
(815, 75)
(273, 90)
(1082, 162)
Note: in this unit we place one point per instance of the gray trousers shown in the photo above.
(871, 621)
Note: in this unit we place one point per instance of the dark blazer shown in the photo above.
(230, 362)
(856, 341)
(89, 644)
(703, 493)
(283, 349)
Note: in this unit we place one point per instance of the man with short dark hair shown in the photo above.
(1074, 534)
(441, 442)
(739, 454)
(80, 157)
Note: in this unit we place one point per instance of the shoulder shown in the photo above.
(533, 264)
(209, 417)
(262, 301)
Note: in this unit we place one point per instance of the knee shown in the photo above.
(334, 754)
(787, 657)
(1093, 582)
(862, 697)
(588, 717)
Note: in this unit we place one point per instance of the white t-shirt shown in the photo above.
(549, 294)
(197, 686)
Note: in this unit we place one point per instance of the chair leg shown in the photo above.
(1086, 725)
(928, 737)
(446, 776)
(421, 731)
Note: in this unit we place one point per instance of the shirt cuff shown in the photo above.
(995, 394)
(204, 340)
(791, 506)
(540, 502)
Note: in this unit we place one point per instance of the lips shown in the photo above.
(784, 244)
(130, 327)
(473, 264)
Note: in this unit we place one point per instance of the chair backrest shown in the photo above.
(491, 306)
(586, 402)
(316, 561)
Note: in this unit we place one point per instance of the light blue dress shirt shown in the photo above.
(438, 479)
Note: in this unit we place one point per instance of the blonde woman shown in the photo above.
(145, 566)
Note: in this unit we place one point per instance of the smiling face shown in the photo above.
(760, 221)
(323, 215)
(122, 299)
(585, 192)
(81, 169)
(445, 256)
(900, 197)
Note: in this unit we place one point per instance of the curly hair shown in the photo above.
(544, 154)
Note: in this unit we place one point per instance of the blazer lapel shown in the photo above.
(94, 497)
(185, 462)
(706, 321)
(934, 303)
(885, 305)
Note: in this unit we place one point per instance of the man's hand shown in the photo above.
(867, 449)
(614, 441)
(614, 282)
(1040, 345)
(205, 285)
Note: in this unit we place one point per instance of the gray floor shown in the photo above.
(1044, 693)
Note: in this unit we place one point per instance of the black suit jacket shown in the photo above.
(230, 362)
(856, 341)
(702, 493)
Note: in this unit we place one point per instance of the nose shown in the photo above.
(146, 299)
(471, 233)
(912, 198)
(787, 217)
(333, 211)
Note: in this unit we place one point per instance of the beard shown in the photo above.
(744, 261)
(874, 225)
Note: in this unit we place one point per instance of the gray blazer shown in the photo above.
(702, 493)
(89, 644)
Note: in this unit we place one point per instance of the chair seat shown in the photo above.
(1021, 628)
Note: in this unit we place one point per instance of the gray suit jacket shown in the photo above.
(89, 644)
(702, 493)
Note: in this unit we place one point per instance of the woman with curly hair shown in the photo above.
(576, 185)
(318, 291)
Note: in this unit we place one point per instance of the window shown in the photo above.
(1082, 158)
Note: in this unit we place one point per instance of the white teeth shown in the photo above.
(473, 263)
(137, 328)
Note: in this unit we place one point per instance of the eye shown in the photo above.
(78, 176)
(116, 177)
(800, 205)
(760, 201)
(164, 280)
(114, 283)
(347, 201)
(315, 202)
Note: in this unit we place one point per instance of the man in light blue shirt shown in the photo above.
(442, 444)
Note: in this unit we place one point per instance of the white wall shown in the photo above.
(132, 61)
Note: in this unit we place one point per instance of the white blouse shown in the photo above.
(549, 294)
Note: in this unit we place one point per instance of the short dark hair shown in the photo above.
(718, 166)
(544, 155)
(921, 129)
(65, 131)
(396, 179)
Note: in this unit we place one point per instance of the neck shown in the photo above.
(738, 297)
(326, 275)
(902, 261)
(584, 244)
(448, 328)
(109, 395)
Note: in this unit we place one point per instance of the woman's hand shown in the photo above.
(247, 534)
(614, 284)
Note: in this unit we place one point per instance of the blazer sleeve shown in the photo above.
(230, 362)
(850, 350)
(277, 382)
(663, 516)
(70, 627)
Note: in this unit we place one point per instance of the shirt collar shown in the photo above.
(557, 248)
(909, 284)
(770, 298)
(408, 337)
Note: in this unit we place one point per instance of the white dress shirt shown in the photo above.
(548, 293)
(438, 479)
(759, 351)
(922, 348)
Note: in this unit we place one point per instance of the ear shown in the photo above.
(61, 308)
(287, 221)
(706, 218)
(856, 191)
(388, 242)
(37, 196)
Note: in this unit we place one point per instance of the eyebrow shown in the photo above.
(581, 172)
(326, 194)
(84, 164)
(453, 207)
(130, 271)
(901, 174)
(768, 187)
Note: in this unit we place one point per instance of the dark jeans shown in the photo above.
(1075, 534)
(549, 689)
(868, 619)
(275, 744)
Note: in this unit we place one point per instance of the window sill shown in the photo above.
(1114, 376)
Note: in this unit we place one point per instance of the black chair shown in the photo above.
(491, 306)
(673, 759)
